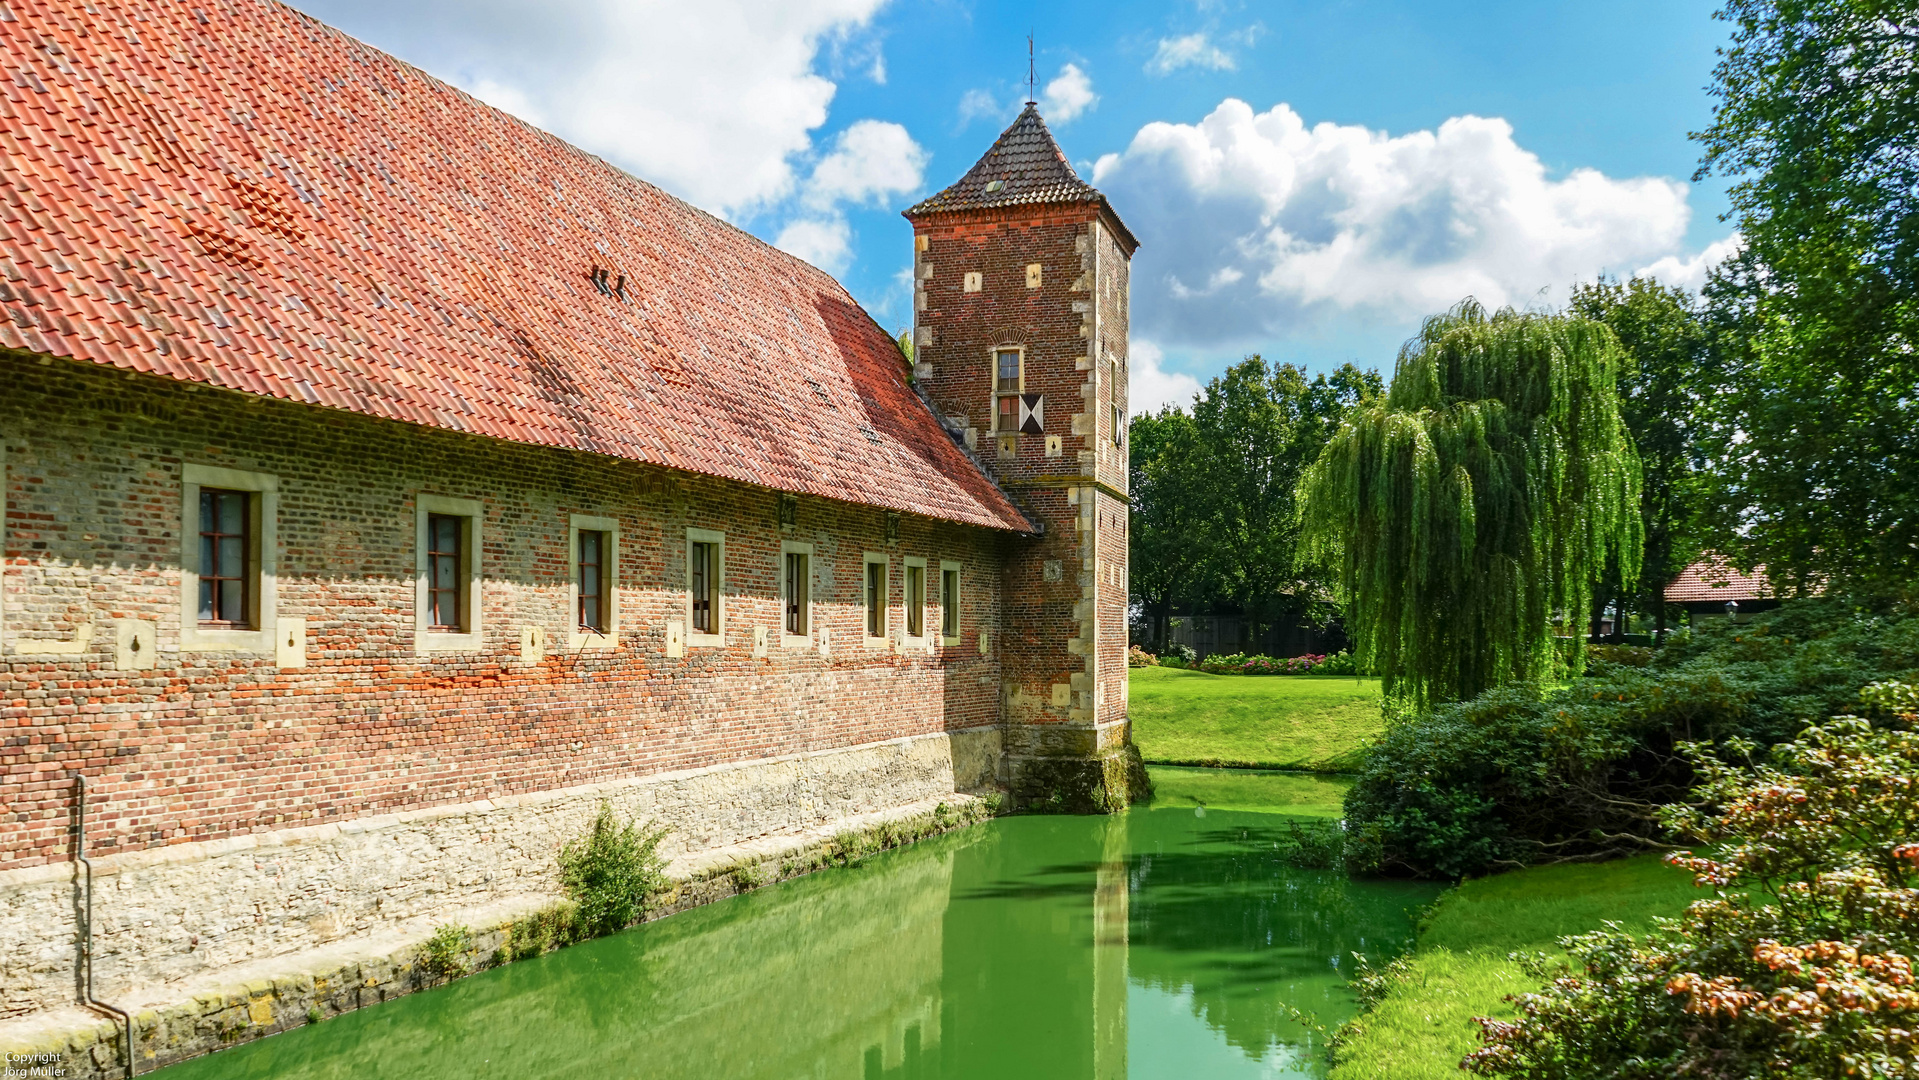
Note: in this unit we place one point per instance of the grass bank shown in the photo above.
(1293, 794)
(1459, 969)
(1311, 722)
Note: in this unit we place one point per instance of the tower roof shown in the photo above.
(1024, 166)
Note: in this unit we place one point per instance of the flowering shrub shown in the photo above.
(1138, 657)
(1800, 966)
(1310, 664)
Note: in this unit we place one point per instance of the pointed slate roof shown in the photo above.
(1024, 166)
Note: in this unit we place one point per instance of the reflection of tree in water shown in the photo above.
(1217, 912)
(1213, 910)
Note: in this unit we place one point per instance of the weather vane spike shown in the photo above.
(1032, 77)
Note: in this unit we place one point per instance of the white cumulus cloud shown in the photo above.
(870, 160)
(1190, 50)
(1149, 385)
(825, 242)
(713, 101)
(1690, 273)
(1068, 95)
(1255, 226)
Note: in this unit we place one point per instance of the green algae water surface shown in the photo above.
(1164, 942)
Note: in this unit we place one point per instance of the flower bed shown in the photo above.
(1309, 664)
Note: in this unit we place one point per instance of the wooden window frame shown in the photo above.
(951, 606)
(471, 513)
(883, 599)
(994, 393)
(716, 636)
(788, 550)
(263, 511)
(579, 637)
(908, 565)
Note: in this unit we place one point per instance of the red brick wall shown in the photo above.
(213, 744)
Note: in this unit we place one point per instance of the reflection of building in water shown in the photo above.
(842, 981)
(1052, 1007)
(1111, 931)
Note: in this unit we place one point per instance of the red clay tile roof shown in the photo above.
(1712, 580)
(237, 195)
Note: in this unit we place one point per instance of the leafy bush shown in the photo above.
(1176, 651)
(613, 872)
(1138, 657)
(446, 953)
(1339, 663)
(1519, 776)
(548, 928)
(1799, 967)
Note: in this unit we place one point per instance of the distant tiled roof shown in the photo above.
(1713, 579)
(1024, 166)
(234, 194)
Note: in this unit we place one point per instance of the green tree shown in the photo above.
(1260, 426)
(1168, 558)
(1667, 347)
(1478, 502)
(1817, 418)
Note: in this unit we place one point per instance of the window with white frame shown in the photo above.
(705, 587)
(228, 544)
(593, 556)
(447, 594)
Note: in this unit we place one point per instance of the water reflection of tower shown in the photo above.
(1111, 915)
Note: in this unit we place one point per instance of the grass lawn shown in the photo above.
(1459, 968)
(1294, 794)
(1314, 722)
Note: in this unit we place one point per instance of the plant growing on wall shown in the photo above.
(1476, 504)
(613, 872)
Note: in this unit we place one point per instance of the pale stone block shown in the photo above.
(290, 641)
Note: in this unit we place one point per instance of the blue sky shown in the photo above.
(1308, 180)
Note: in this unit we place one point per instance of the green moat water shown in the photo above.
(1164, 942)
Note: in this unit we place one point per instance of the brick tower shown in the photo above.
(1019, 296)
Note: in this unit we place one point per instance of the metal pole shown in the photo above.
(86, 953)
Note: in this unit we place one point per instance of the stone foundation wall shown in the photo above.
(871, 950)
(170, 916)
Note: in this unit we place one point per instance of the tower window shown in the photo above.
(1009, 377)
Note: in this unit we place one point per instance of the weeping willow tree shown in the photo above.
(1470, 511)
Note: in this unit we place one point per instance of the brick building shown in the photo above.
(388, 483)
